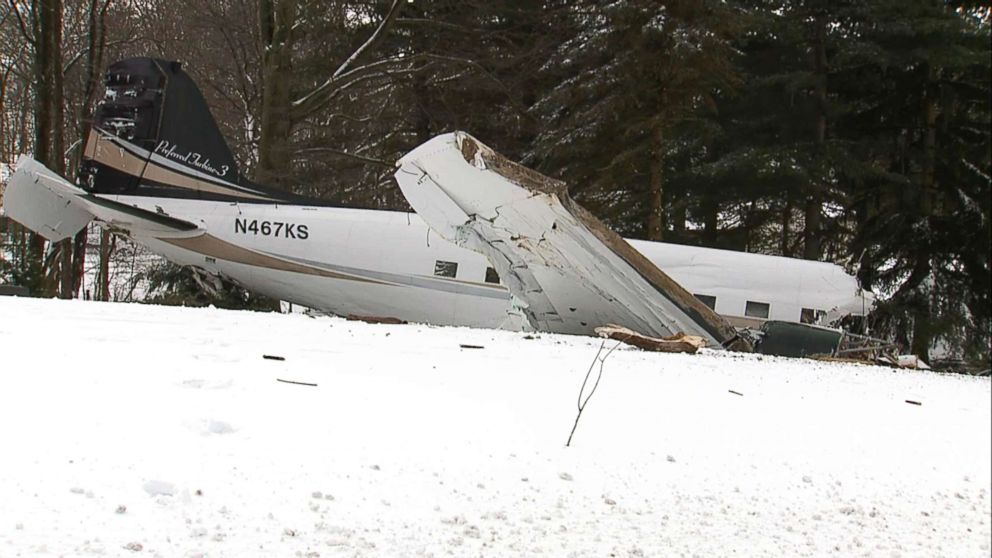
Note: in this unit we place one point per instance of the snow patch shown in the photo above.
(159, 488)
(217, 427)
(433, 450)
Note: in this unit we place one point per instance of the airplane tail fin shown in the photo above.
(153, 135)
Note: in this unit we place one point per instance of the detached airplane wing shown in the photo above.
(571, 271)
(48, 204)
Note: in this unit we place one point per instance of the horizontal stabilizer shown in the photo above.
(48, 204)
(571, 271)
(43, 201)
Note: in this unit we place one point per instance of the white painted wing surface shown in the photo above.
(572, 273)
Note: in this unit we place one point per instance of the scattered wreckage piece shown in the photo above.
(790, 339)
(388, 320)
(911, 362)
(294, 382)
(678, 343)
(872, 350)
(567, 270)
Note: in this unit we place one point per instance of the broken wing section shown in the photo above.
(572, 272)
(48, 204)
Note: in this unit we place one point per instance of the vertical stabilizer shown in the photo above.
(153, 135)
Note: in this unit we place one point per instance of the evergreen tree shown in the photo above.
(631, 78)
(924, 121)
(777, 169)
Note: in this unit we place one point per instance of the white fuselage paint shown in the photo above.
(384, 264)
(787, 285)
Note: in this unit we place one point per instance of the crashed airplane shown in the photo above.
(492, 243)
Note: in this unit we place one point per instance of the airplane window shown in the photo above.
(445, 269)
(491, 275)
(756, 309)
(811, 315)
(707, 300)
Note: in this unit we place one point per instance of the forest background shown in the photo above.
(856, 132)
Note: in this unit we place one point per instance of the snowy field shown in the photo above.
(132, 430)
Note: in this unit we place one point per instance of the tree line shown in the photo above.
(856, 132)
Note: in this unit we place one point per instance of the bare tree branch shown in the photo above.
(20, 21)
(380, 32)
(79, 55)
(333, 151)
(388, 67)
(313, 100)
(437, 23)
(6, 14)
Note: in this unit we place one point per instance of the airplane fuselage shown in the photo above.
(389, 264)
(156, 167)
(367, 263)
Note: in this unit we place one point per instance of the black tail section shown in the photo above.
(153, 134)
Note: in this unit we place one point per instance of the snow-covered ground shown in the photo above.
(144, 430)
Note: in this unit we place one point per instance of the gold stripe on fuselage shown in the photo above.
(211, 246)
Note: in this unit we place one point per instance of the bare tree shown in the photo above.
(280, 112)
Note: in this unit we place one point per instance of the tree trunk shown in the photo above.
(276, 20)
(57, 154)
(422, 117)
(49, 124)
(65, 249)
(97, 23)
(46, 20)
(656, 209)
(811, 235)
(4, 154)
(679, 216)
(930, 114)
(103, 280)
(35, 253)
(922, 336)
(812, 242)
(786, 225)
(747, 226)
(922, 319)
(711, 223)
(919, 307)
